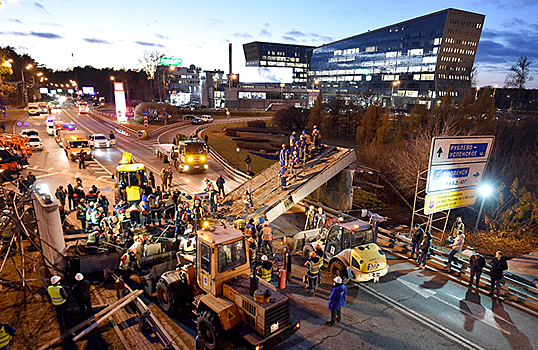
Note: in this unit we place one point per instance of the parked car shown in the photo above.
(54, 105)
(207, 118)
(29, 132)
(100, 141)
(36, 143)
(197, 121)
(50, 129)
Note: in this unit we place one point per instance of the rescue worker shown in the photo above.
(284, 155)
(266, 270)
(92, 238)
(70, 193)
(188, 244)
(151, 179)
(126, 264)
(89, 212)
(180, 221)
(91, 196)
(316, 136)
(220, 185)
(198, 213)
(310, 215)
(240, 224)
(170, 177)
(208, 185)
(60, 195)
(312, 271)
(6, 333)
(247, 200)
(284, 173)
(169, 207)
(81, 213)
(267, 239)
(252, 253)
(154, 203)
(103, 202)
(59, 296)
(320, 254)
(145, 210)
(320, 218)
(308, 141)
(81, 292)
(164, 178)
(250, 229)
(248, 162)
(213, 202)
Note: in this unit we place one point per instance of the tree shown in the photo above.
(473, 76)
(150, 61)
(292, 118)
(5, 71)
(519, 74)
(370, 122)
(316, 112)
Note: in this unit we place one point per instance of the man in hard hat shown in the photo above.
(240, 223)
(310, 215)
(320, 218)
(59, 296)
(337, 300)
(266, 270)
(81, 292)
(312, 271)
(267, 239)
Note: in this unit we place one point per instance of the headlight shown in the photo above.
(190, 159)
(206, 166)
(185, 167)
(202, 158)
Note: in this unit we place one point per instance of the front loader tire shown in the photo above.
(211, 333)
(337, 268)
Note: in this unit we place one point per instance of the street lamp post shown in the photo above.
(485, 191)
(476, 94)
(394, 83)
(164, 82)
(281, 92)
(24, 90)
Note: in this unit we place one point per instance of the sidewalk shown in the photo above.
(525, 266)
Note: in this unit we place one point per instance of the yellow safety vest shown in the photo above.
(313, 268)
(133, 193)
(125, 265)
(168, 202)
(190, 245)
(54, 292)
(91, 238)
(267, 274)
(240, 224)
(4, 337)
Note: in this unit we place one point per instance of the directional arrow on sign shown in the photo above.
(477, 174)
(439, 152)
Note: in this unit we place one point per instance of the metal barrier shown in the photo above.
(119, 127)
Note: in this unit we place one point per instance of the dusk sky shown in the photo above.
(116, 33)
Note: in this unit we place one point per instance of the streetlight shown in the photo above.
(24, 91)
(485, 191)
(394, 83)
(494, 90)
(476, 94)
(281, 91)
(164, 82)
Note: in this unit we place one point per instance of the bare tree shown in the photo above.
(475, 69)
(150, 62)
(519, 74)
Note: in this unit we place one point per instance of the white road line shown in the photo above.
(102, 166)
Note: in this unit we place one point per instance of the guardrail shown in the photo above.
(524, 291)
(119, 127)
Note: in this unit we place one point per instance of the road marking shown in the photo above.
(50, 169)
(47, 175)
(426, 293)
(35, 167)
(422, 319)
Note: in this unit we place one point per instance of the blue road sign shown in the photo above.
(140, 134)
(467, 150)
(145, 114)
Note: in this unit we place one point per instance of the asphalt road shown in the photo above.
(408, 309)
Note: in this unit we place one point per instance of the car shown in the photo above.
(50, 129)
(189, 117)
(51, 119)
(33, 109)
(197, 121)
(36, 143)
(207, 118)
(100, 141)
(29, 132)
(54, 104)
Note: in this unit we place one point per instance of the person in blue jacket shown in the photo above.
(337, 300)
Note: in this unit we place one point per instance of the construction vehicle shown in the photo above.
(11, 165)
(17, 146)
(75, 143)
(131, 179)
(187, 156)
(349, 249)
(216, 284)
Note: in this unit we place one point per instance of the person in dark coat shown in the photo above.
(60, 194)
(220, 185)
(477, 263)
(287, 264)
(81, 292)
(416, 239)
(337, 300)
(70, 193)
(498, 265)
(151, 179)
(424, 251)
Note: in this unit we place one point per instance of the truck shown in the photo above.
(216, 284)
(60, 126)
(74, 142)
(187, 156)
(131, 178)
(349, 250)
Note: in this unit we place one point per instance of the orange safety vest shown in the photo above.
(267, 234)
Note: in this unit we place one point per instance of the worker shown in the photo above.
(239, 223)
(81, 292)
(164, 178)
(320, 218)
(310, 215)
(252, 252)
(250, 229)
(293, 141)
(154, 202)
(316, 136)
(320, 254)
(126, 265)
(267, 239)
(312, 271)
(81, 213)
(302, 147)
(145, 210)
(92, 238)
(103, 202)
(213, 201)
(284, 173)
(151, 179)
(247, 200)
(81, 159)
(284, 155)
(6, 333)
(58, 296)
(197, 213)
(169, 207)
(266, 270)
(170, 177)
(208, 185)
(308, 141)
(188, 244)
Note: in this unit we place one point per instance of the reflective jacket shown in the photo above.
(5, 335)
(55, 295)
(81, 212)
(312, 267)
(189, 245)
(91, 238)
(125, 261)
(266, 274)
(267, 234)
(240, 224)
(168, 202)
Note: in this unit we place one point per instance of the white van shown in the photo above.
(207, 118)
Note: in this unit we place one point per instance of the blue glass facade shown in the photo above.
(409, 61)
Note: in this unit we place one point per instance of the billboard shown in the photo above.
(43, 90)
(119, 98)
(266, 75)
(88, 90)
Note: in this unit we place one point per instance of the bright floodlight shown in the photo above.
(485, 190)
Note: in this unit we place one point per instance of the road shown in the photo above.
(408, 309)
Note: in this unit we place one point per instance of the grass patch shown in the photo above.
(12, 116)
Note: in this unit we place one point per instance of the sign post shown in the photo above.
(456, 168)
(171, 61)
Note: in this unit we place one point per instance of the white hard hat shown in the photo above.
(312, 207)
(55, 279)
(264, 258)
(337, 279)
(79, 276)
(320, 209)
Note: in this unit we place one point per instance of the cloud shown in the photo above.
(49, 24)
(242, 35)
(13, 20)
(503, 4)
(162, 37)
(143, 43)
(297, 36)
(42, 8)
(214, 21)
(264, 33)
(36, 34)
(96, 41)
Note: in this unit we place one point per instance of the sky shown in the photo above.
(61, 34)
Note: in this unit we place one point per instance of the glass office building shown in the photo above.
(264, 54)
(407, 63)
